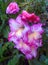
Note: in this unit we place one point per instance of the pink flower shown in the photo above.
(12, 8)
(30, 17)
(33, 37)
(17, 29)
(37, 28)
(13, 24)
(29, 51)
(27, 38)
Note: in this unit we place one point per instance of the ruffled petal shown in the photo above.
(13, 25)
(37, 28)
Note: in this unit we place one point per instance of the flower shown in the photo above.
(37, 28)
(30, 17)
(17, 29)
(26, 38)
(12, 8)
(29, 51)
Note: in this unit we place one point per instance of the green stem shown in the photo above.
(29, 62)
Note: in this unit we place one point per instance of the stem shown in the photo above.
(29, 62)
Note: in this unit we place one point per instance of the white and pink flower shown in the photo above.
(27, 38)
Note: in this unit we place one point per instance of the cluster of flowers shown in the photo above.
(25, 31)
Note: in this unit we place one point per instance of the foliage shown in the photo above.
(11, 56)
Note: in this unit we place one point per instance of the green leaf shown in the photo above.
(5, 32)
(14, 60)
(8, 44)
(46, 61)
(36, 62)
(4, 47)
(2, 25)
(4, 17)
(42, 58)
(1, 51)
(28, 0)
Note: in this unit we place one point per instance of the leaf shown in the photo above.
(14, 60)
(27, 0)
(8, 46)
(4, 17)
(4, 47)
(36, 62)
(46, 61)
(6, 31)
(42, 58)
(1, 51)
(2, 25)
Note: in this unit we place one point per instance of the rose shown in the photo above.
(12, 8)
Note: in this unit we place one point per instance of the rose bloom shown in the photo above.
(30, 17)
(26, 38)
(12, 8)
